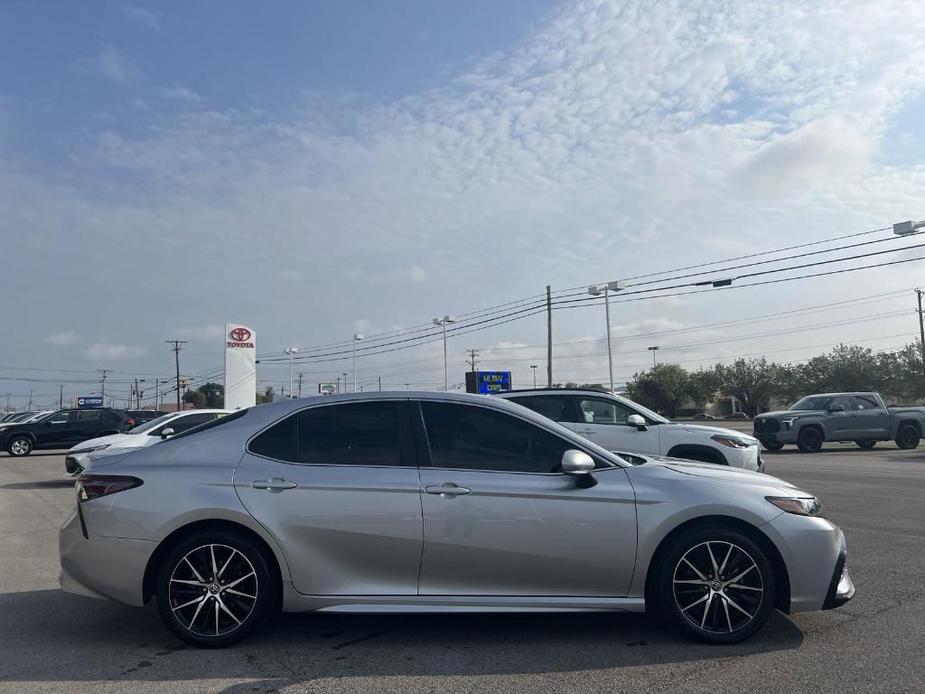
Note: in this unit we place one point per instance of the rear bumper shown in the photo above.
(102, 567)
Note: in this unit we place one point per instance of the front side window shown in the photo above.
(361, 433)
(468, 437)
(88, 415)
(60, 417)
(600, 411)
(555, 407)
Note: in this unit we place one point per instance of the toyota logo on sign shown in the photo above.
(240, 334)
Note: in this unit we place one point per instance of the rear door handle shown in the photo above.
(274, 484)
(447, 490)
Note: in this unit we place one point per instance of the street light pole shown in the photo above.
(290, 351)
(653, 349)
(356, 338)
(446, 320)
(533, 368)
(595, 290)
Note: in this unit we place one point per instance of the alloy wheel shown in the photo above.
(213, 590)
(20, 447)
(718, 587)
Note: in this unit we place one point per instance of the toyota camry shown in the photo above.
(436, 502)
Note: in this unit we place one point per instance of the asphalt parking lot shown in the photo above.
(52, 641)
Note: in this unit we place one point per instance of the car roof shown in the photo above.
(552, 391)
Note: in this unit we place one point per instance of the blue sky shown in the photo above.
(314, 169)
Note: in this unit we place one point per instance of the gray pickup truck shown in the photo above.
(859, 417)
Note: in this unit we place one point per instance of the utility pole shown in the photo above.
(176, 351)
(29, 406)
(919, 293)
(473, 358)
(300, 383)
(548, 337)
(380, 384)
(103, 374)
(157, 393)
(60, 397)
(533, 369)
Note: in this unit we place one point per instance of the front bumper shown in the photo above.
(74, 463)
(841, 589)
(814, 551)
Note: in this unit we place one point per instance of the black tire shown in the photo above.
(191, 621)
(19, 446)
(772, 446)
(810, 440)
(908, 437)
(680, 595)
(866, 445)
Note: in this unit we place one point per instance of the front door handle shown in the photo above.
(274, 484)
(447, 490)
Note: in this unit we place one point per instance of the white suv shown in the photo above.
(621, 425)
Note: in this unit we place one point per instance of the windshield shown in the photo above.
(812, 402)
(647, 413)
(148, 426)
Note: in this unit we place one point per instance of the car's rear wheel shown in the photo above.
(907, 437)
(772, 445)
(214, 589)
(866, 445)
(716, 584)
(810, 440)
(19, 446)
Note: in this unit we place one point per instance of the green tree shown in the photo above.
(753, 381)
(266, 396)
(702, 387)
(663, 388)
(213, 393)
(195, 397)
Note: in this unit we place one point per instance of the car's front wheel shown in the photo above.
(716, 584)
(214, 589)
(810, 440)
(772, 445)
(19, 446)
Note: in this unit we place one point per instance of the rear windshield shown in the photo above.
(221, 419)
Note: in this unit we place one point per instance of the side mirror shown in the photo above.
(166, 432)
(638, 421)
(577, 463)
(836, 408)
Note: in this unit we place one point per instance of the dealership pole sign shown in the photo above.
(89, 402)
(487, 382)
(240, 366)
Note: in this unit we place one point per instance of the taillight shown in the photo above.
(130, 422)
(90, 486)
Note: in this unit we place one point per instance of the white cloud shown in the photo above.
(214, 333)
(140, 16)
(113, 65)
(180, 93)
(104, 351)
(63, 339)
(617, 139)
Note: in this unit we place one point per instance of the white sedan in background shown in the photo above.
(143, 435)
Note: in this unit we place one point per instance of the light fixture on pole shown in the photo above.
(906, 228)
(356, 338)
(446, 320)
(290, 351)
(533, 368)
(596, 290)
(653, 349)
(344, 374)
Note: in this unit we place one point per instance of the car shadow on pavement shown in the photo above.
(53, 636)
(62, 483)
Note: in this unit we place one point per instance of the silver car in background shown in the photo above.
(436, 502)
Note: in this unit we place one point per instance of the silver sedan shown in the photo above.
(411, 502)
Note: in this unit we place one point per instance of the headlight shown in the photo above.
(789, 422)
(799, 505)
(731, 441)
(91, 450)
